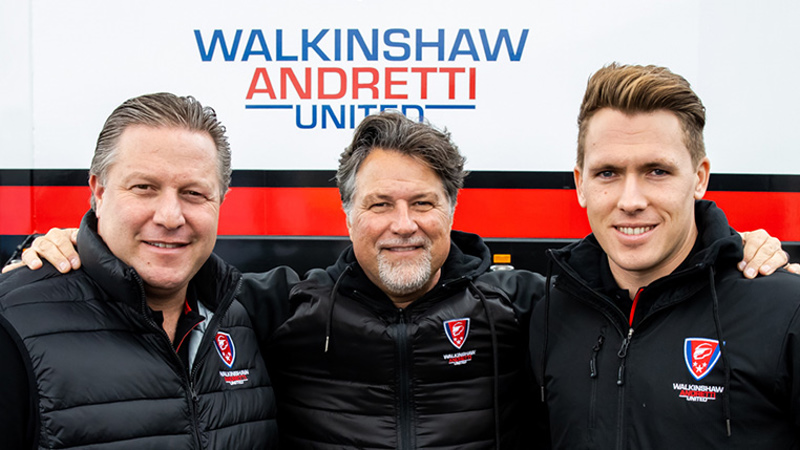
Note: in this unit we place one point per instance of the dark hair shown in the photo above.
(393, 131)
(642, 89)
(161, 110)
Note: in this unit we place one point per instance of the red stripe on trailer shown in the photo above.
(495, 213)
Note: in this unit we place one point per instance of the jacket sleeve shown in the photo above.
(17, 419)
(265, 296)
(792, 370)
(523, 288)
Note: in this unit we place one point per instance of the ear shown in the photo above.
(703, 174)
(579, 186)
(349, 225)
(98, 190)
(451, 218)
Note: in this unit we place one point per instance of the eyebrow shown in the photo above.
(138, 175)
(381, 196)
(660, 164)
(149, 178)
(646, 166)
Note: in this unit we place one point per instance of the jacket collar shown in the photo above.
(214, 281)
(720, 245)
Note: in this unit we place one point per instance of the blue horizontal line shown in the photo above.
(449, 106)
(268, 106)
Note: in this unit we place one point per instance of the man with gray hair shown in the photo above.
(406, 341)
(146, 345)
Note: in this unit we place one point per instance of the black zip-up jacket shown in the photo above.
(100, 373)
(712, 360)
(351, 370)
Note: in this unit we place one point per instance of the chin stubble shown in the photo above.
(405, 277)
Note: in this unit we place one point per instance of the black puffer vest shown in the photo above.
(106, 375)
(446, 372)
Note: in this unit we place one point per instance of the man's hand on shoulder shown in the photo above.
(57, 247)
(763, 255)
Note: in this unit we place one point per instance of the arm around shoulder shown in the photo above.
(524, 288)
(265, 296)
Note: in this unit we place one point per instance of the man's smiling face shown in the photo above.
(158, 209)
(400, 224)
(638, 184)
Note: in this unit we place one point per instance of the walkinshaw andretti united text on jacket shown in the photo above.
(103, 374)
(707, 347)
(448, 371)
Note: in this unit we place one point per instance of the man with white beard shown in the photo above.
(406, 341)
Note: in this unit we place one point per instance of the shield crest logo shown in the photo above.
(225, 348)
(701, 355)
(457, 331)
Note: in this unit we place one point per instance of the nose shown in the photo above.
(403, 222)
(168, 211)
(633, 197)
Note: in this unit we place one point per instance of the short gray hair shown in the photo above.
(161, 110)
(391, 130)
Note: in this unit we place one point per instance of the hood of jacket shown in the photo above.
(212, 282)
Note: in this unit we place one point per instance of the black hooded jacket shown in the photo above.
(449, 371)
(100, 373)
(666, 380)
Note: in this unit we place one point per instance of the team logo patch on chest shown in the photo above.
(457, 331)
(700, 355)
(225, 348)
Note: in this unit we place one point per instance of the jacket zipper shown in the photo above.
(622, 354)
(187, 384)
(626, 341)
(211, 329)
(188, 378)
(593, 375)
(593, 360)
(405, 418)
